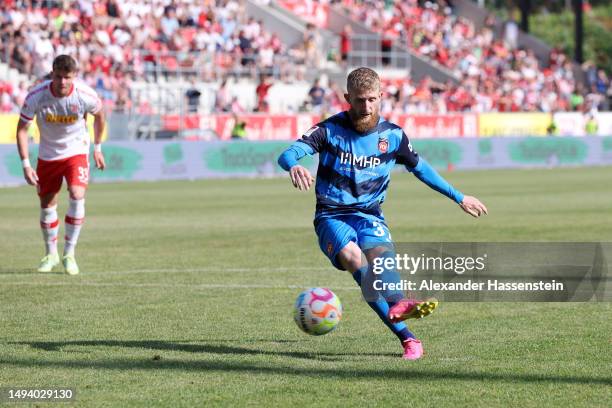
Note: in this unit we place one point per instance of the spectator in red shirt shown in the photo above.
(265, 83)
(346, 45)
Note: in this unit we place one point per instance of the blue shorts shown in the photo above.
(335, 232)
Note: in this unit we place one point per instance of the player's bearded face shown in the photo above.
(62, 82)
(365, 108)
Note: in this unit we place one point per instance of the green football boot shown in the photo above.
(70, 265)
(49, 262)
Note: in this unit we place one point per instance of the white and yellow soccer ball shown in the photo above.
(317, 311)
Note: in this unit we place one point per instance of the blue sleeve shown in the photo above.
(313, 141)
(293, 154)
(428, 175)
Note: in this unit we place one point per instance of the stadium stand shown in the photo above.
(495, 74)
(120, 43)
(124, 45)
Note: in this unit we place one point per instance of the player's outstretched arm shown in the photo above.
(473, 206)
(22, 146)
(428, 175)
(99, 124)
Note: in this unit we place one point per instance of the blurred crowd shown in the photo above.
(12, 96)
(495, 74)
(119, 41)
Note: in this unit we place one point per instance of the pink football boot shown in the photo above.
(412, 309)
(413, 349)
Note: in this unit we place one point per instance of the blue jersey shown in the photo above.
(354, 168)
(353, 177)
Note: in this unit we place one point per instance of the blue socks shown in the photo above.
(389, 275)
(382, 301)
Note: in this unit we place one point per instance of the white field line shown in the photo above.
(188, 270)
(173, 285)
(168, 285)
(211, 269)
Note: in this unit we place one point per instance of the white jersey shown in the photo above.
(61, 120)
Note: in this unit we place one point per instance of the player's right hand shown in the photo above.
(30, 176)
(301, 177)
(473, 206)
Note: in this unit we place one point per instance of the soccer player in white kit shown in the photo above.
(60, 106)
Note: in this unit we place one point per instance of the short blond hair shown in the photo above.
(363, 79)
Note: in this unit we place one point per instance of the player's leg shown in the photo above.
(375, 239)
(353, 260)
(75, 216)
(49, 185)
(77, 176)
(387, 278)
(393, 300)
(338, 240)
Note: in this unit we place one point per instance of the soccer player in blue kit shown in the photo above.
(357, 151)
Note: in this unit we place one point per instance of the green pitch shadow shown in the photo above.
(28, 271)
(162, 363)
(409, 373)
(211, 347)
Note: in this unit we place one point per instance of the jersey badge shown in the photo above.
(383, 145)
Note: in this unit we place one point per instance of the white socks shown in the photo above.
(49, 224)
(75, 216)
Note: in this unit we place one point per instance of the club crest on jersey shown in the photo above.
(330, 248)
(383, 145)
(74, 108)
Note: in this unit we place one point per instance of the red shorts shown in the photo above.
(51, 173)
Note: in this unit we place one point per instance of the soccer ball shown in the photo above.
(317, 311)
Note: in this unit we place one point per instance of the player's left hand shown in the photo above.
(99, 159)
(473, 206)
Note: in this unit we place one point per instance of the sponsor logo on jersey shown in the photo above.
(383, 145)
(363, 161)
(63, 119)
(310, 131)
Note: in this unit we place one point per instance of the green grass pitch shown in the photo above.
(186, 292)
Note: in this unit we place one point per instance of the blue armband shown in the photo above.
(428, 175)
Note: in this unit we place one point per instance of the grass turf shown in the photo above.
(186, 291)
